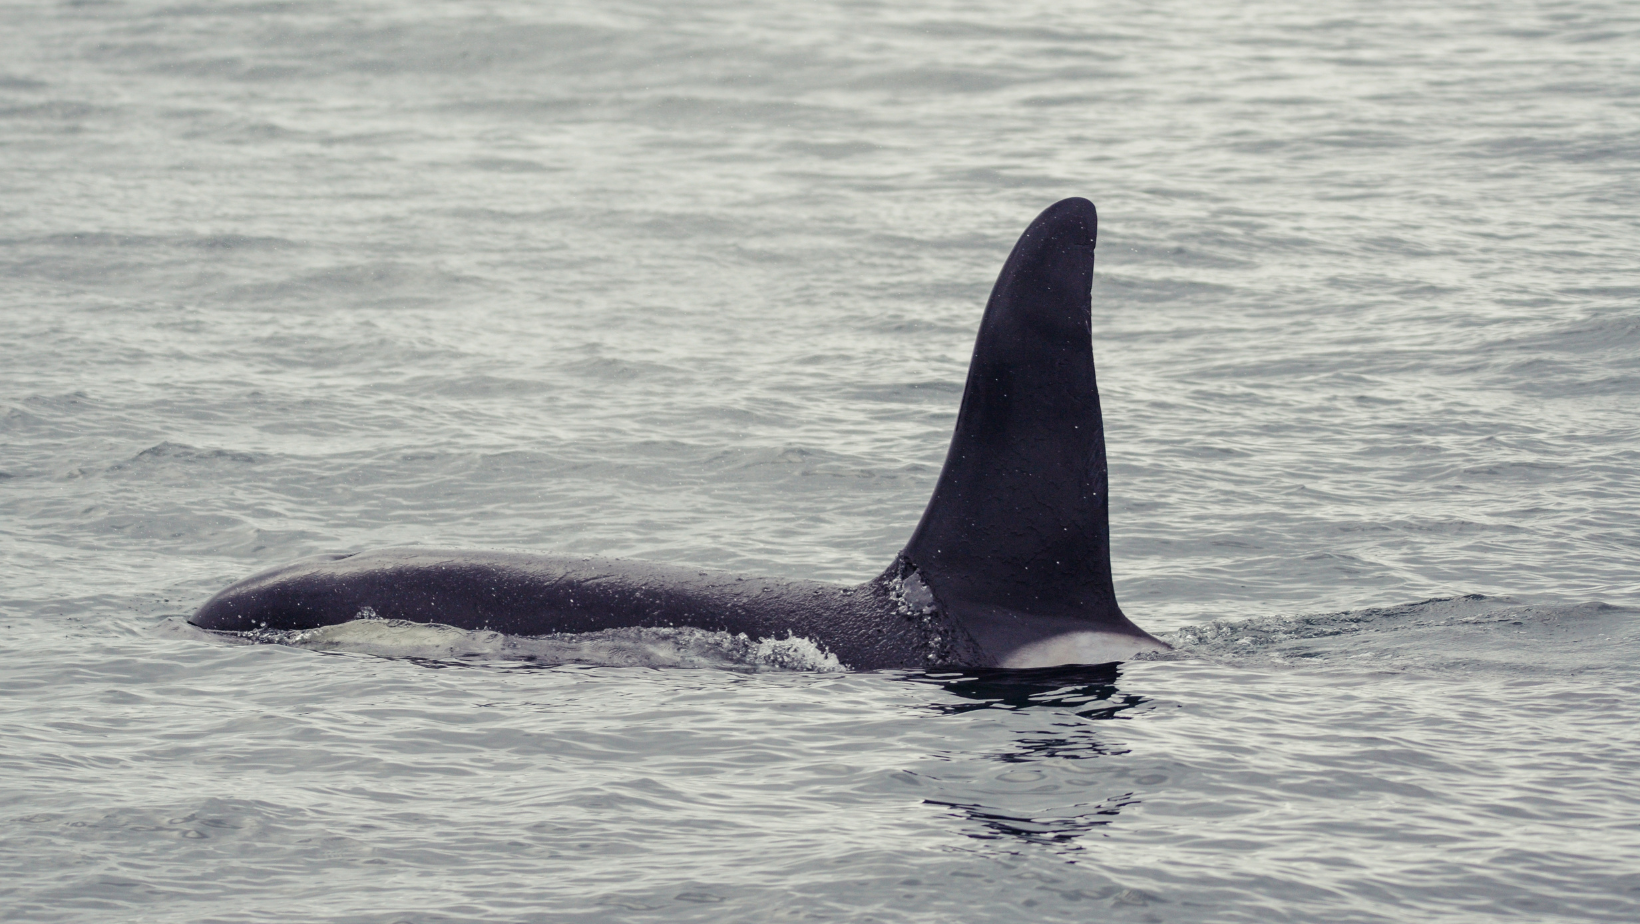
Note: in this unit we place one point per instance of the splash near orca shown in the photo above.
(1009, 566)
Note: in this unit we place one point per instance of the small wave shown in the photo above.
(1470, 632)
(629, 647)
(182, 452)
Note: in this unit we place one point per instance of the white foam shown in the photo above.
(629, 647)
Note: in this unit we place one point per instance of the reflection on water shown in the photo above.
(1046, 829)
(1073, 698)
(1076, 687)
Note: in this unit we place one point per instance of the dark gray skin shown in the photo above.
(1009, 567)
(867, 627)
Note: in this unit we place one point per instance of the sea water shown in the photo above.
(697, 283)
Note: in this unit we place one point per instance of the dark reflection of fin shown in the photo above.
(1052, 829)
(1087, 690)
(1080, 744)
(1084, 691)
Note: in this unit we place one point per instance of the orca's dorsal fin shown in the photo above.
(1019, 518)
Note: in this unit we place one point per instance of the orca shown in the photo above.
(1008, 568)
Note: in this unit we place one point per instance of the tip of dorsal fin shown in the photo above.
(1019, 518)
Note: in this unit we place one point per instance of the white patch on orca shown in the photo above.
(1079, 648)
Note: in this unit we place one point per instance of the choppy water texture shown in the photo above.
(697, 283)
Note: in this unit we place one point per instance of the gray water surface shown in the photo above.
(697, 283)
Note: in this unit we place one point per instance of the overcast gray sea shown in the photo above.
(697, 283)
